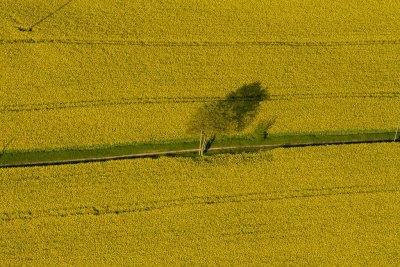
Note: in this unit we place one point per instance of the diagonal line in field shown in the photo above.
(200, 200)
(47, 16)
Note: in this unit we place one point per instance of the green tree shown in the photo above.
(229, 115)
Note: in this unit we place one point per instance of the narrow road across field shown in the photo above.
(222, 149)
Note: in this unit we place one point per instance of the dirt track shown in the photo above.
(191, 151)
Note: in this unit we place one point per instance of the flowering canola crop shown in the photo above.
(85, 71)
(302, 205)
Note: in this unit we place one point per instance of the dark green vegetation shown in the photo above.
(230, 115)
(26, 157)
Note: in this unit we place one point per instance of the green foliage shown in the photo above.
(213, 118)
(262, 129)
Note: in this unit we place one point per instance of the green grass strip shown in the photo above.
(26, 157)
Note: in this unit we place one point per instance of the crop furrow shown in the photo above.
(201, 200)
(200, 43)
(179, 100)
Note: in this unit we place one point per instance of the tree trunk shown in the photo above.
(201, 150)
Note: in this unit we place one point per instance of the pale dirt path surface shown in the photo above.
(187, 151)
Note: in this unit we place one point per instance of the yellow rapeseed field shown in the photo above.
(77, 73)
(84, 71)
(207, 20)
(301, 206)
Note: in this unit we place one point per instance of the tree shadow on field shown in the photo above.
(230, 115)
